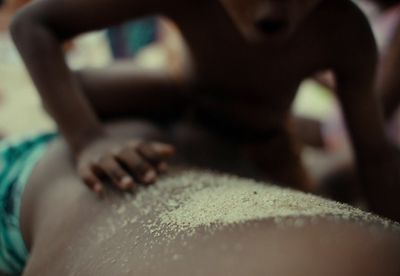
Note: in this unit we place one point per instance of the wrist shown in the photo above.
(85, 137)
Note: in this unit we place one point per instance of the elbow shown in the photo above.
(31, 36)
(22, 28)
(20, 24)
(28, 26)
(34, 23)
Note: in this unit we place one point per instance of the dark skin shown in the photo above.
(247, 60)
(388, 81)
(386, 4)
(388, 84)
(67, 240)
(342, 184)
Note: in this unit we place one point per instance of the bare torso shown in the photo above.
(241, 87)
(256, 81)
(71, 232)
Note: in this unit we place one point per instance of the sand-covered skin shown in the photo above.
(187, 213)
(185, 201)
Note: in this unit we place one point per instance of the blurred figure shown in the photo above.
(342, 183)
(385, 19)
(248, 60)
(388, 82)
(128, 39)
(384, 16)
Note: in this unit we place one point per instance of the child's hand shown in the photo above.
(124, 163)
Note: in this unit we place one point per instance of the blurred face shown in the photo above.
(268, 19)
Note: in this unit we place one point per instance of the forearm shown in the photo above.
(391, 96)
(364, 121)
(388, 80)
(355, 74)
(43, 57)
(377, 163)
(135, 92)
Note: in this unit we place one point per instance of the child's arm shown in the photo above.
(136, 92)
(378, 166)
(389, 80)
(38, 31)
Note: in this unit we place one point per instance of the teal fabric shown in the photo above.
(17, 160)
(129, 38)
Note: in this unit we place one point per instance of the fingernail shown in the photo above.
(126, 182)
(150, 176)
(165, 148)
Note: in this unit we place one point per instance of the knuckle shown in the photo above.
(130, 157)
(118, 151)
(143, 146)
(107, 161)
(149, 152)
(103, 161)
(134, 160)
(142, 166)
(117, 173)
(133, 144)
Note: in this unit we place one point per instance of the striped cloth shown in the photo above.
(17, 160)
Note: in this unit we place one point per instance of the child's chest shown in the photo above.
(242, 78)
(245, 80)
(225, 64)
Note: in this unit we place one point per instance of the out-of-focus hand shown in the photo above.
(121, 162)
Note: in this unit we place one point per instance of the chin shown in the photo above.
(273, 39)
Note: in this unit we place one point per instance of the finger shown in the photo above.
(91, 180)
(164, 150)
(139, 167)
(162, 167)
(116, 173)
(155, 152)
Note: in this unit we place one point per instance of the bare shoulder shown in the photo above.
(342, 11)
(347, 33)
(68, 18)
(343, 20)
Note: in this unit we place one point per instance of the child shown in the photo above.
(247, 60)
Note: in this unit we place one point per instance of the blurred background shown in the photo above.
(155, 42)
(148, 41)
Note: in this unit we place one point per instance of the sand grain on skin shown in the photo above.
(182, 202)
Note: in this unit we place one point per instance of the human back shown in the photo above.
(194, 221)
